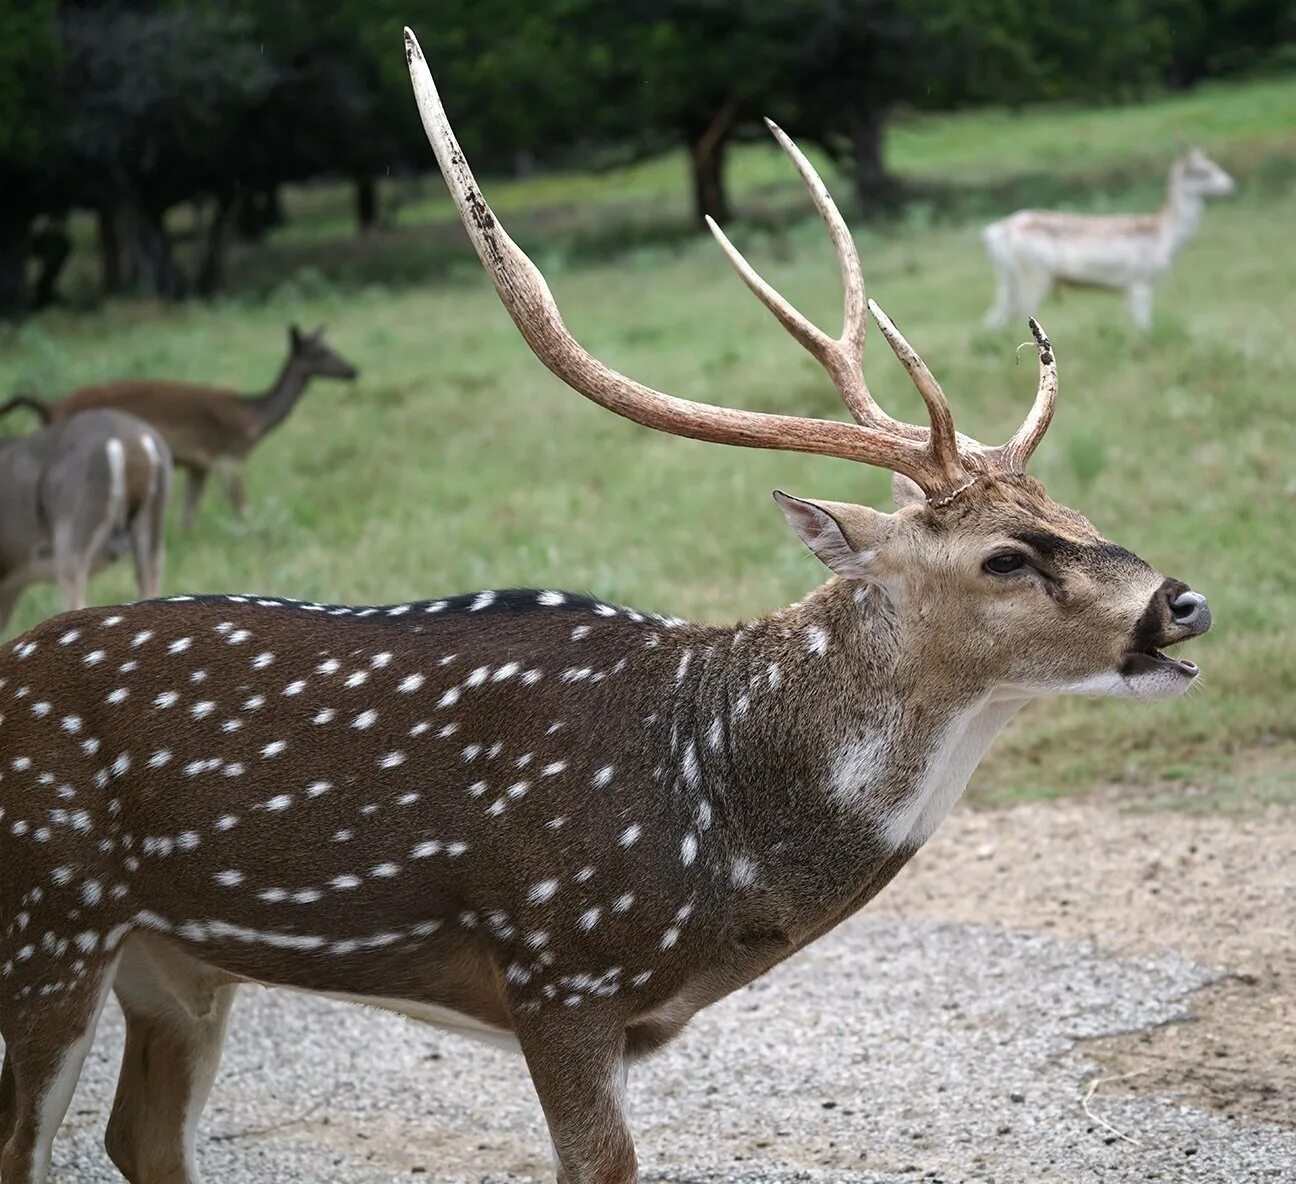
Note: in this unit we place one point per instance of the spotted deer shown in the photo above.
(76, 496)
(207, 427)
(1032, 250)
(536, 818)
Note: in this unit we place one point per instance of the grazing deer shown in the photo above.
(1032, 250)
(207, 426)
(537, 818)
(76, 496)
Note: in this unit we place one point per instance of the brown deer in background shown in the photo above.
(541, 819)
(76, 496)
(206, 426)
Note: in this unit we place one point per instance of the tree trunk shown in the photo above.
(111, 276)
(210, 273)
(151, 251)
(366, 202)
(258, 211)
(707, 146)
(51, 246)
(275, 216)
(13, 267)
(875, 188)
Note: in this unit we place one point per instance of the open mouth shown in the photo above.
(1149, 659)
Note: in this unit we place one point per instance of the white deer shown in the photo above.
(1032, 250)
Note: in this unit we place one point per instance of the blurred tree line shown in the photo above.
(131, 108)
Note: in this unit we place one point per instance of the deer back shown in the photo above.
(199, 423)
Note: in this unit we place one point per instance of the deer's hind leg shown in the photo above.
(235, 490)
(195, 483)
(148, 526)
(48, 1028)
(177, 1010)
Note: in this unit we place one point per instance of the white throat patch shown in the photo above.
(862, 764)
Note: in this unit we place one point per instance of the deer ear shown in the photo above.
(294, 336)
(906, 493)
(844, 537)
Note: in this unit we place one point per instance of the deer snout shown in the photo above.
(1174, 614)
(1189, 610)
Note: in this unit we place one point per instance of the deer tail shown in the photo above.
(32, 404)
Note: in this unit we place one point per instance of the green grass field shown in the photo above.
(458, 462)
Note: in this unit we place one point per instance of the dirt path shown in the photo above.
(1221, 892)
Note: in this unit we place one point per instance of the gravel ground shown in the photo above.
(951, 1034)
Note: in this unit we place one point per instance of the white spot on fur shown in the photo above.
(816, 640)
(542, 891)
(688, 849)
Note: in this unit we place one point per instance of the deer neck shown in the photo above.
(830, 747)
(273, 407)
(1180, 215)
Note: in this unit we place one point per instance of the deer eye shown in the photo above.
(1005, 563)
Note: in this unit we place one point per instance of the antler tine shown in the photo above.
(840, 357)
(528, 300)
(1018, 450)
(805, 331)
(944, 442)
(854, 317)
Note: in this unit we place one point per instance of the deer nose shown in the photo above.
(1189, 610)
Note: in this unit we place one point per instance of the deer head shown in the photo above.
(1197, 175)
(316, 357)
(998, 589)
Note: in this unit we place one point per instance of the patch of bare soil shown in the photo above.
(1220, 891)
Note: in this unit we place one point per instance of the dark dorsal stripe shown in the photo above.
(488, 602)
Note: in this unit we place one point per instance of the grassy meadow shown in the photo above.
(458, 462)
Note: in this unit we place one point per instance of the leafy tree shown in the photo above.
(28, 127)
(158, 106)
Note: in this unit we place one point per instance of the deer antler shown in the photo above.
(932, 458)
(1017, 451)
(842, 357)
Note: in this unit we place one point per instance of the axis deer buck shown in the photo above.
(1032, 250)
(76, 496)
(207, 426)
(534, 817)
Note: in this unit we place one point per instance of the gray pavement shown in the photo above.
(895, 1050)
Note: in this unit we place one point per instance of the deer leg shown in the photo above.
(234, 489)
(579, 1075)
(176, 1018)
(1005, 301)
(148, 546)
(72, 560)
(1033, 287)
(46, 1041)
(1140, 305)
(196, 482)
